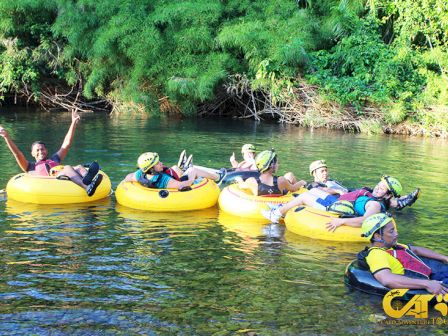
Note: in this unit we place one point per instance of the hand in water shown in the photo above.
(75, 116)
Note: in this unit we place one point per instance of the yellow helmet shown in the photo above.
(344, 208)
(248, 148)
(265, 159)
(373, 223)
(393, 185)
(316, 165)
(147, 160)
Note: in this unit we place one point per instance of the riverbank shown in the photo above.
(303, 106)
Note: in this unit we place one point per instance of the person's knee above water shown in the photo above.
(397, 265)
(152, 173)
(248, 151)
(319, 171)
(86, 179)
(365, 202)
(267, 183)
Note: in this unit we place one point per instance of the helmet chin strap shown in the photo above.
(383, 241)
(382, 238)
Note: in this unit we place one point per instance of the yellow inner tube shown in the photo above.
(203, 194)
(241, 202)
(37, 189)
(310, 222)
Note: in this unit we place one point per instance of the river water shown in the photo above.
(103, 269)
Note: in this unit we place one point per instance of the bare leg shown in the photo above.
(73, 175)
(80, 170)
(319, 193)
(177, 170)
(306, 198)
(210, 170)
(195, 172)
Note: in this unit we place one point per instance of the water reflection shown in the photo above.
(101, 268)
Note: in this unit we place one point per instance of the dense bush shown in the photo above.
(388, 54)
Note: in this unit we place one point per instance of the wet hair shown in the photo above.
(37, 143)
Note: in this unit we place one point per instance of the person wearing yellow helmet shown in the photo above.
(397, 265)
(248, 151)
(365, 202)
(319, 171)
(152, 173)
(267, 183)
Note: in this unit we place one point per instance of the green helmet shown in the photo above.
(316, 165)
(393, 185)
(373, 223)
(248, 148)
(265, 159)
(147, 160)
(344, 208)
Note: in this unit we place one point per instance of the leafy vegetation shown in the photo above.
(388, 55)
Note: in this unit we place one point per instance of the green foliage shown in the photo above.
(390, 54)
(362, 70)
(27, 51)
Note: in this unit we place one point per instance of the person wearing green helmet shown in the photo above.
(319, 171)
(397, 265)
(365, 201)
(152, 173)
(248, 151)
(267, 184)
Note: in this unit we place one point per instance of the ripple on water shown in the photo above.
(100, 268)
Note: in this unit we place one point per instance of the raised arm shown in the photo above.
(18, 155)
(233, 161)
(62, 152)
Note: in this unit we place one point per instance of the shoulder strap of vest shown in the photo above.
(361, 256)
(408, 250)
(154, 183)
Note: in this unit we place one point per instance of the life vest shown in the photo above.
(43, 167)
(412, 264)
(268, 190)
(314, 184)
(359, 199)
(352, 196)
(171, 172)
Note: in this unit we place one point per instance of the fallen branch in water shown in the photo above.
(55, 96)
(303, 106)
